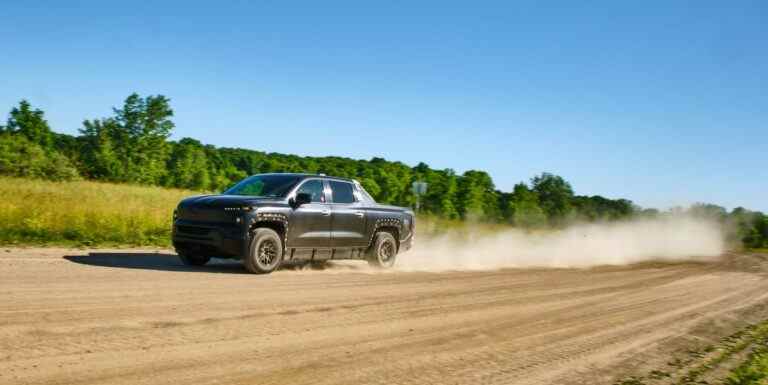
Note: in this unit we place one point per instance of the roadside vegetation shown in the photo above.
(85, 213)
(88, 213)
(738, 359)
(131, 148)
(754, 370)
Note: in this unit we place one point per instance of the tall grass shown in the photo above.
(85, 213)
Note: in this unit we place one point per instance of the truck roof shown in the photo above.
(306, 175)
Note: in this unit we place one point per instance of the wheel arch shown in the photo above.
(280, 227)
(389, 225)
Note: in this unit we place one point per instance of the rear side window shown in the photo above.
(342, 192)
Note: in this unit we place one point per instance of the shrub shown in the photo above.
(20, 157)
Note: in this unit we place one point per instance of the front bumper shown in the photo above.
(210, 239)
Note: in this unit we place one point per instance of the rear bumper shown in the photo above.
(213, 240)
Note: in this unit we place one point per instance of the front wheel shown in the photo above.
(192, 260)
(383, 252)
(266, 252)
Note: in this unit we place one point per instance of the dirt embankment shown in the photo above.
(128, 317)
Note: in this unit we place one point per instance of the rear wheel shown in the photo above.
(383, 252)
(266, 252)
(192, 260)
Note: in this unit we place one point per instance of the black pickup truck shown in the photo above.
(268, 219)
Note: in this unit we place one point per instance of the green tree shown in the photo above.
(442, 187)
(761, 226)
(524, 209)
(99, 160)
(477, 196)
(137, 139)
(148, 125)
(188, 166)
(31, 123)
(393, 178)
(597, 208)
(22, 158)
(708, 210)
(555, 196)
(750, 228)
(442, 193)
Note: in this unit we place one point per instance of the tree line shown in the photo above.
(133, 146)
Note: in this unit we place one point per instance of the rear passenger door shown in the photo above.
(347, 216)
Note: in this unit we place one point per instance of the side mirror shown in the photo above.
(301, 198)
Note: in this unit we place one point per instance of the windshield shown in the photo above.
(273, 186)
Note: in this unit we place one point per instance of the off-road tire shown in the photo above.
(383, 252)
(265, 252)
(192, 260)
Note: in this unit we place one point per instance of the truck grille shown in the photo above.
(206, 214)
(194, 230)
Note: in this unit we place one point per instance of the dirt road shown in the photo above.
(131, 317)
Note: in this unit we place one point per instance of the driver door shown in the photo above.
(310, 223)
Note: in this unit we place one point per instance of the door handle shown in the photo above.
(326, 212)
(360, 214)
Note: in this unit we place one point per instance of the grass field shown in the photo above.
(85, 213)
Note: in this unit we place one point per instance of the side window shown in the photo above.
(342, 192)
(314, 188)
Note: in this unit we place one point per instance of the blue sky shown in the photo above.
(664, 103)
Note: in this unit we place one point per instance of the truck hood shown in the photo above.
(221, 201)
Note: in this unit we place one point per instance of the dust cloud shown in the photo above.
(668, 239)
